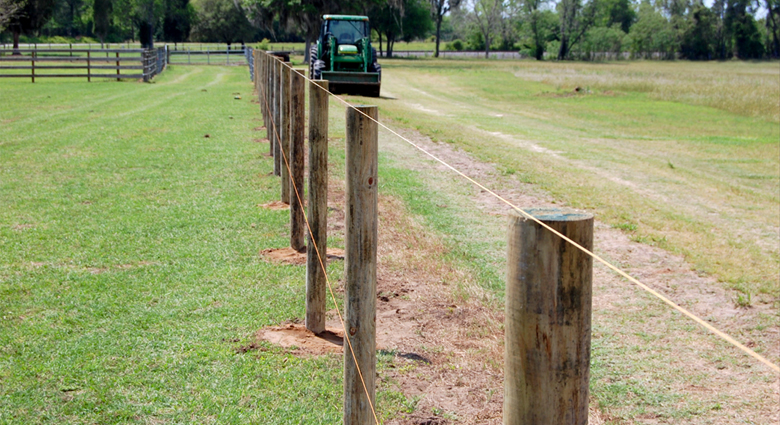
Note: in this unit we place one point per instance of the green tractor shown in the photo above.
(344, 56)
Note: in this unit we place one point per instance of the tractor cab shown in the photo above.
(344, 56)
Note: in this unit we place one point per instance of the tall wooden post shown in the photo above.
(548, 312)
(255, 72)
(277, 116)
(297, 129)
(32, 62)
(117, 66)
(360, 266)
(260, 82)
(269, 133)
(285, 133)
(318, 206)
(89, 67)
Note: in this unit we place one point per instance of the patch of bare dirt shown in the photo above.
(303, 342)
(263, 140)
(288, 255)
(275, 205)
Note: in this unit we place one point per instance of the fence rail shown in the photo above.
(208, 56)
(72, 63)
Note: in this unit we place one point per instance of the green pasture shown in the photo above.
(681, 155)
(129, 268)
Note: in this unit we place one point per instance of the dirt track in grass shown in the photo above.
(447, 335)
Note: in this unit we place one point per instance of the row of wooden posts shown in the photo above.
(548, 304)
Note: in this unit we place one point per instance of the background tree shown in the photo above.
(538, 27)
(177, 20)
(742, 27)
(699, 40)
(439, 8)
(101, 18)
(773, 27)
(385, 19)
(652, 33)
(575, 19)
(8, 9)
(221, 20)
(400, 20)
(487, 18)
(30, 18)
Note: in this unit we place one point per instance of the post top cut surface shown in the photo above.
(555, 214)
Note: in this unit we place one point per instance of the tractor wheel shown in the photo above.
(375, 67)
(315, 65)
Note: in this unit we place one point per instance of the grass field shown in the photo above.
(680, 155)
(129, 274)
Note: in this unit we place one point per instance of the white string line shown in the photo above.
(527, 216)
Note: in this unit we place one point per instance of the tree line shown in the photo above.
(562, 29)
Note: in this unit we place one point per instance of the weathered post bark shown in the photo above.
(277, 116)
(269, 126)
(255, 72)
(548, 313)
(297, 129)
(284, 132)
(318, 207)
(360, 266)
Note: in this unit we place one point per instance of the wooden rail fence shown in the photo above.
(82, 63)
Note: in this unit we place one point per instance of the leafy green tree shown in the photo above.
(439, 8)
(417, 21)
(652, 33)
(487, 18)
(9, 9)
(404, 20)
(575, 18)
(30, 18)
(699, 40)
(221, 20)
(744, 31)
(608, 40)
(537, 27)
(177, 21)
(611, 12)
(773, 27)
(70, 18)
(101, 18)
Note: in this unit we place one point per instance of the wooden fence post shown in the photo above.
(360, 266)
(32, 61)
(318, 206)
(264, 98)
(297, 129)
(277, 105)
(117, 66)
(89, 68)
(285, 133)
(548, 313)
(269, 129)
